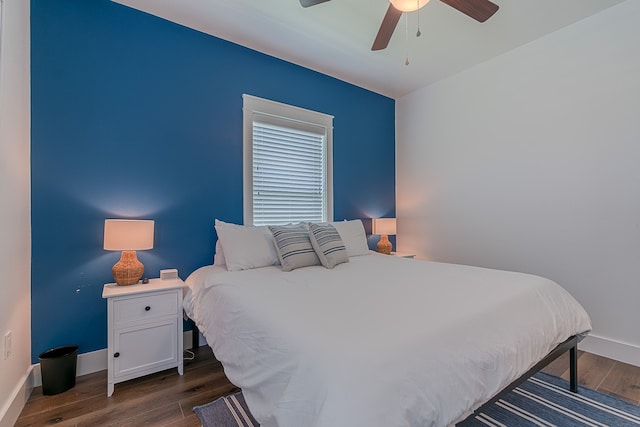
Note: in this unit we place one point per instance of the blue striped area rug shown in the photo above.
(542, 401)
(545, 400)
(227, 411)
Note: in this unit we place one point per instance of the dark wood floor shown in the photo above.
(167, 399)
(161, 399)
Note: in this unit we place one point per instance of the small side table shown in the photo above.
(144, 329)
(403, 255)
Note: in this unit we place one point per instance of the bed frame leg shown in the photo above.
(570, 344)
(195, 335)
(573, 369)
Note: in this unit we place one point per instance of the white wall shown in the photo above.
(531, 162)
(15, 217)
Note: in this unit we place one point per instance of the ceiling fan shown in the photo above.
(480, 10)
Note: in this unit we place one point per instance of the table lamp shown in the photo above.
(384, 227)
(128, 236)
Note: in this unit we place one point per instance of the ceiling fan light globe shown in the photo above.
(408, 5)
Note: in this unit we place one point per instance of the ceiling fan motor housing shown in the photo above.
(408, 5)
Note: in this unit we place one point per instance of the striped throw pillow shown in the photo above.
(294, 247)
(330, 248)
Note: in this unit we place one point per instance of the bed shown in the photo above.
(379, 340)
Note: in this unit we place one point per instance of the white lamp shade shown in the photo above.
(384, 226)
(128, 234)
(408, 5)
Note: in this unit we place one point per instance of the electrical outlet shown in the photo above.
(8, 348)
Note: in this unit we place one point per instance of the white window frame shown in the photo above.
(299, 118)
(1, 37)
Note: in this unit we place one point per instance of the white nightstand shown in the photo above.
(144, 329)
(402, 255)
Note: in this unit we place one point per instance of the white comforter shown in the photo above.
(379, 341)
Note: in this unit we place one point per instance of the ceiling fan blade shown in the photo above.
(307, 3)
(480, 10)
(387, 27)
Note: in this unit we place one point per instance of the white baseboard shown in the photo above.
(623, 352)
(88, 363)
(96, 361)
(91, 362)
(11, 411)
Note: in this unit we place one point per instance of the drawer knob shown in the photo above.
(147, 308)
(116, 354)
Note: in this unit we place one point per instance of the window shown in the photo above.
(287, 163)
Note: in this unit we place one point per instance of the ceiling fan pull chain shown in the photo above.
(406, 36)
(418, 34)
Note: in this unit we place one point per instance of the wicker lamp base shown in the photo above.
(384, 245)
(128, 270)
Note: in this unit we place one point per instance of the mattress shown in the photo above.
(379, 341)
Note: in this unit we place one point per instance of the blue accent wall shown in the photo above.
(137, 117)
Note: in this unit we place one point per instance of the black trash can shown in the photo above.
(58, 368)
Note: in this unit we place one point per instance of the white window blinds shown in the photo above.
(288, 174)
(287, 164)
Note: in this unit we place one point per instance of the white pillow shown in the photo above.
(327, 243)
(246, 247)
(353, 236)
(294, 246)
(218, 256)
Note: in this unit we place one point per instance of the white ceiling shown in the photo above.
(335, 38)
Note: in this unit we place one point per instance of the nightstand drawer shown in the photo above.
(145, 307)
